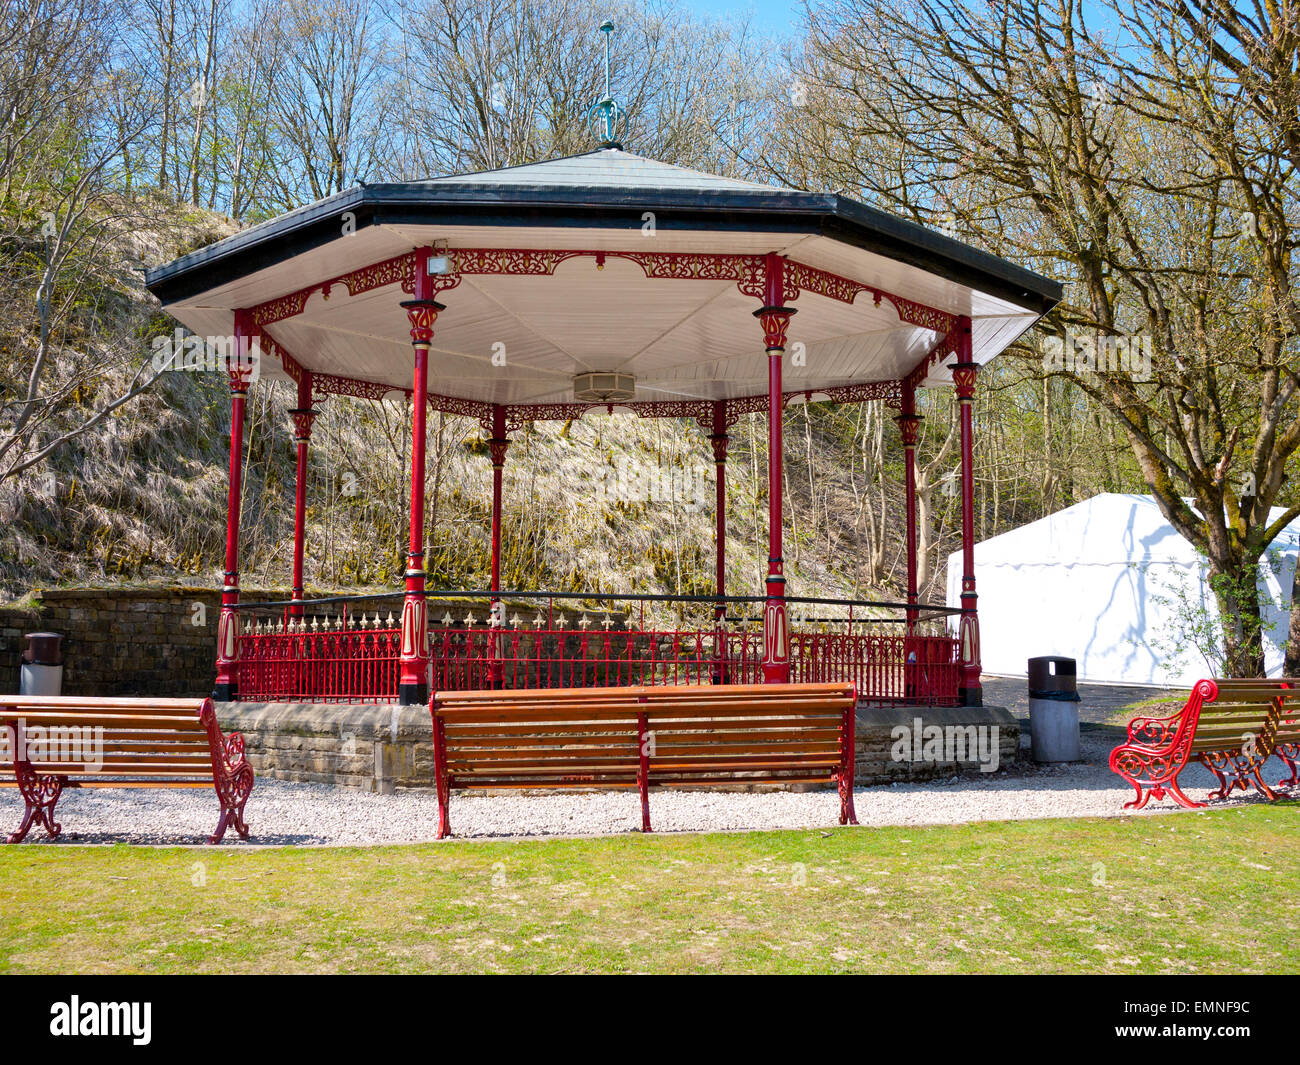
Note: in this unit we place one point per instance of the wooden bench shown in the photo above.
(52, 743)
(643, 738)
(1231, 727)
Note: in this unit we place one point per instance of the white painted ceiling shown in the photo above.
(680, 338)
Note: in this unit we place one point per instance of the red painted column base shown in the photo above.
(776, 630)
(969, 690)
(226, 688)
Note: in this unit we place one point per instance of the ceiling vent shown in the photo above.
(601, 387)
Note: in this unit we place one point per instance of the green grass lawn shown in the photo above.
(1158, 706)
(1216, 891)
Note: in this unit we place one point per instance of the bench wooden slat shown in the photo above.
(140, 720)
(658, 696)
(623, 713)
(103, 703)
(82, 782)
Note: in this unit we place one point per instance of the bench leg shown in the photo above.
(1245, 772)
(233, 792)
(1264, 789)
(1288, 753)
(1176, 793)
(232, 778)
(848, 816)
(848, 766)
(1153, 776)
(643, 770)
(40, 793)
(441, 784)
(1216, 764)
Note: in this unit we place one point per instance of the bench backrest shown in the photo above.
(1246, 713)
(595, 736)
(163, 741)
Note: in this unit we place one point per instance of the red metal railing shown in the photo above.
(343, 656)
(339, 661)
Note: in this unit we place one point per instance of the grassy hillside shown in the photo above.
(142, 497)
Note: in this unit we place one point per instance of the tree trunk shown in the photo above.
(1241, 620)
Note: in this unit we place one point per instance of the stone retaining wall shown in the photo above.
(124, 641)
(379, 747)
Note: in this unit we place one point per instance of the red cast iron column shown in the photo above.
(909, 423)
(720, 440)
(303, 415)
(413, 674)
(963, 376)
(498, 446)
(775, 320)
(240, 372)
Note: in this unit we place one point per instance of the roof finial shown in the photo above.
(606, 116)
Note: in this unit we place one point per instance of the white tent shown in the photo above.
(1109, 583)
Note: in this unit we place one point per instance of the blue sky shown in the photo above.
(780, 15)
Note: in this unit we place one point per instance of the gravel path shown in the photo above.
(315, 815)
(1099, 702)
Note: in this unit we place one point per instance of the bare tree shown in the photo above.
(324, 78)
(63, 71)
(1015, 124)
(494, 83)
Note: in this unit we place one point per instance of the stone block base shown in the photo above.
(383, 746)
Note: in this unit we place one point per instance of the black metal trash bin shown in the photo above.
(42, 664)
(1053, 709)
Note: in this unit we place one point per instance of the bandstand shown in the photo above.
(600, 282)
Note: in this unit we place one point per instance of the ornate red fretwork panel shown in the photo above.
(946, 347)
(746, 270)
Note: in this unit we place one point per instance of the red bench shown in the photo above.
(52, 743)
(1231, 727)
(645, 737)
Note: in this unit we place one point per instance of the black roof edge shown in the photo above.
(781, 211)
(909, 243)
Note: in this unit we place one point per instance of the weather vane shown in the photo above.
(606, 117)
